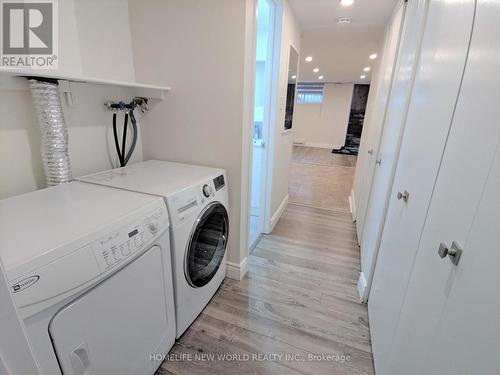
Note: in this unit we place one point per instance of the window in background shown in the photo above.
(310, 92)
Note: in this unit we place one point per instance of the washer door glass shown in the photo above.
(207, 245)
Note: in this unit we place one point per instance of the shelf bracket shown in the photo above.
(67, 88)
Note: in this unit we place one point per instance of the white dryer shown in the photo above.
(197, 201)
(90, 271)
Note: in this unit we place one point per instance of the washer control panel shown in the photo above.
(120, 244)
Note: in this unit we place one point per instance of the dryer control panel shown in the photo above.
(118, 245)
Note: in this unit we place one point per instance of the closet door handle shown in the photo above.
(404, 195)
(378, 161)
(370, 152)
(454, 252)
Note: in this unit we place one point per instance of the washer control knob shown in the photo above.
(207, 190)
(153, 227)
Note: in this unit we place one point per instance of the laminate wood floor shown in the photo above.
(296, 312)
(322, 156)
(321, 179)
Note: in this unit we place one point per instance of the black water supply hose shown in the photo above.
(123, 155)
(115, 135)
(124, 139)
(134, 140)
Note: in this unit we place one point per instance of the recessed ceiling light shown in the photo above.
(373, 56)
(320, 77)
(293, 77)
(309, 58)
(343, 20)
(346, 3)
(362, 77)
(316, 70)
(367, 69)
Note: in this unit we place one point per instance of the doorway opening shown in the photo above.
(266, 16)
(356, 120)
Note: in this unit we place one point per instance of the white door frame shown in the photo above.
(269, 121)
(273, 112)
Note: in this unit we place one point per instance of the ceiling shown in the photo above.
(340, 51)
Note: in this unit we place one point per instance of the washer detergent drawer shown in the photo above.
(115, 327)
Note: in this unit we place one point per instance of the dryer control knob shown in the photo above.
(153, 227)
(207, 190)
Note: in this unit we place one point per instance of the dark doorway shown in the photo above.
(356, 120)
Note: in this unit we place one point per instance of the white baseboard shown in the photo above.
(237, 271)
(276, 216)
(362, 288)
(352, 205)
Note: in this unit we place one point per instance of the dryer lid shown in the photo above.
(35, 226)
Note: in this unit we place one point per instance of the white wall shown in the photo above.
(324, 124)
(69, 58)
(198, 48)
(283, 140)
(104, 39)
(94, 40)
(91, 146)
(89, 124)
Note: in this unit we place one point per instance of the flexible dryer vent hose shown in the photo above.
(55, 153)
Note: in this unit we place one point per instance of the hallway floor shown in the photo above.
(297, 310)
(320, 178)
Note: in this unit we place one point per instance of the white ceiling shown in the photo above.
(340, 51)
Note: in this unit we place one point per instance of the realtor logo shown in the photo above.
(29, 34)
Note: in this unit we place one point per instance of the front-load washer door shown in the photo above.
(119, 326)
(207, 245)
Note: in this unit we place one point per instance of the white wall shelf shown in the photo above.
(145, 90)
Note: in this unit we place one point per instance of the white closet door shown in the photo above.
(466, 165)
(375, 117)
(468, 338)
(434, 95)
(397, 107)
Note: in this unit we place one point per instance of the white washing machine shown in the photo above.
(90, 271)
(197, 201)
